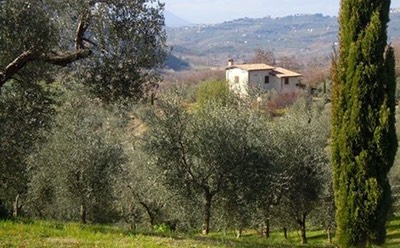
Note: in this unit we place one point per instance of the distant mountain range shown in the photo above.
(172, 20)
(300, 36)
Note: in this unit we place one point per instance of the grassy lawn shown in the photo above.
(59, 234)
(393, 233)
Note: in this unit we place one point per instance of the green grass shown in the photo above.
(393, 233)
(26, 233)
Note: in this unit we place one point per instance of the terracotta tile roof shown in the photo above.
(280, 72)
(276, 71)
(252, 67)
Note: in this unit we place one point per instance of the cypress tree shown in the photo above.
(364, 140)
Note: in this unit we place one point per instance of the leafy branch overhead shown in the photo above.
(111, 38)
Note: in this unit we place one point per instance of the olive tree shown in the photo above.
(142, 200)
(114, 47)
(25, 112)
(74, 173)
(118, 44)
(301, 140)
(203, 152)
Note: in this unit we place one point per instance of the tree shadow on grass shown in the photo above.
(252, 244)
(318, 236)
(237, 243)
(394, 227)
(246, 241)
(216, 241)
(393, 238)
(171, 235)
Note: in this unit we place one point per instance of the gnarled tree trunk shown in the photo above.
(329, 233)
(149, 212)
(83, 213)
(267, 229)
(16, 206)
(302, 223)
(207, 211)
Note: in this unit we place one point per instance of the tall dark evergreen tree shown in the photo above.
(364, 140)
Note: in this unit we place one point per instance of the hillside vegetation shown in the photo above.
(297, 35)
(89, 134)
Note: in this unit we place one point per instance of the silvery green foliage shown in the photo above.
(206, 152)
(25, 112)
(80, 162)
(115, 47)
(301, 140)
(130, 42)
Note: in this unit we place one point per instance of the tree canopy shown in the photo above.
(115, 45)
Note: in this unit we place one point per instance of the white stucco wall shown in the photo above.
(257, 79)
(279, 84)
(241, 86)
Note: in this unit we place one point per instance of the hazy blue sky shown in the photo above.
(215, 11)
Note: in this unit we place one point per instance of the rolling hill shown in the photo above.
(301, 36)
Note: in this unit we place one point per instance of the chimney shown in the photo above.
(230, 62)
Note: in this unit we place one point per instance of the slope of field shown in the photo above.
(30, 234)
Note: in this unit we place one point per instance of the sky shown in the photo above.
(217, 11)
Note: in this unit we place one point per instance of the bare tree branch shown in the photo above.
(90, 42)
(15, 66)
(80, 32)
(66, 58)
(60, 59)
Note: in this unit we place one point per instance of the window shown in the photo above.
(286, 80)
(236, 79)
(266, 80)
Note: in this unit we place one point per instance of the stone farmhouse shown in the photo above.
(241, 76)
